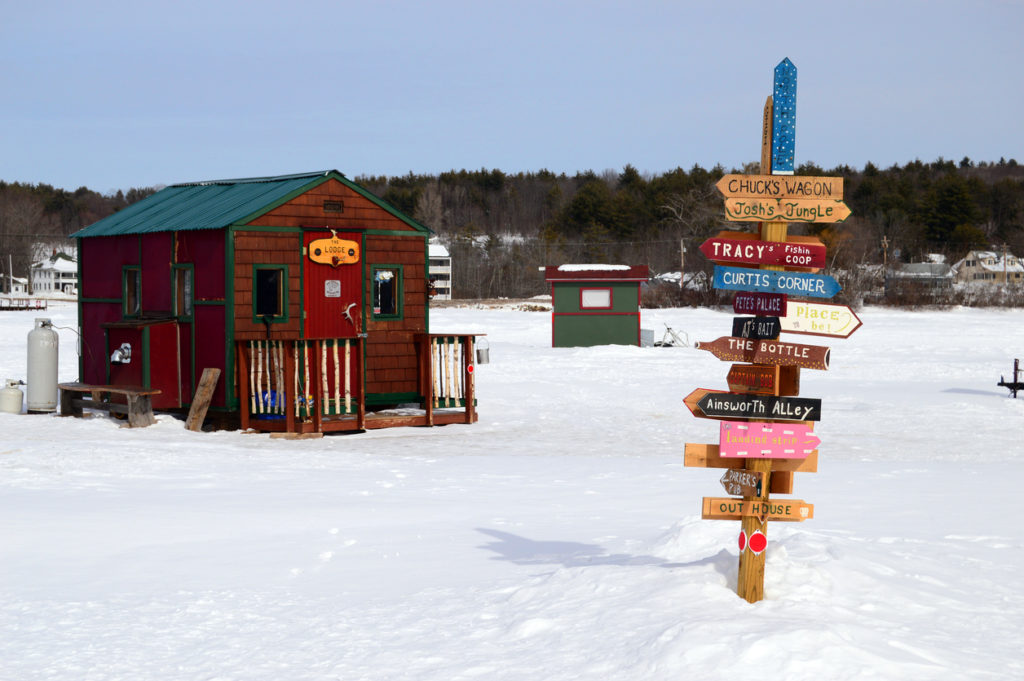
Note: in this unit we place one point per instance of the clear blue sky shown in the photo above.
(118, 94)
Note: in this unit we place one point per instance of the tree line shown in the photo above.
(500, 228)
(32, 215)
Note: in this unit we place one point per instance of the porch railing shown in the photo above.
(447, 373)
(300, 381)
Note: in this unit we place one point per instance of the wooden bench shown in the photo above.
(137, 406)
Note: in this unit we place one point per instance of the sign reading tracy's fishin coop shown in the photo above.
(765, 431)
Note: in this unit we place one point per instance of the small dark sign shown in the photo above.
(756, 327)
(730, 406)
(749, 302)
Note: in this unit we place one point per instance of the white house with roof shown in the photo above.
(989, 267)
(57, 274)
(439, 271)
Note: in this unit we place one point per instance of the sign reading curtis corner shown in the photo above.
(803, 284)
(334, 251)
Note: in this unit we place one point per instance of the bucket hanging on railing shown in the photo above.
(483, 355)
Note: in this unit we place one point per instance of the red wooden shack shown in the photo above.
(307, 291)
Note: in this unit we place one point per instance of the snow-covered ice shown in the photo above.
(558, 538)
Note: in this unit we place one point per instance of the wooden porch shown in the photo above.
(317, 386)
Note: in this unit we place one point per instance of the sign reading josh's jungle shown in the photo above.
(791, 283)
(785, 210)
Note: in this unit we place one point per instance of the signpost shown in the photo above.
(789, 210)
(722, 405)
(766, 440)
(804, 284)
(753, 252)
(820, 319)
(760, 303)
(765, 434)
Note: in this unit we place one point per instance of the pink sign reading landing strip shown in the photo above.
(739, 439)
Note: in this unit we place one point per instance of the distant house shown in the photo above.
(56, 274)
(18, 285)
(439, 271)
(989, 267)
(922, 277)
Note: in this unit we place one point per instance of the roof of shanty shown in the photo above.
(217, 204)
(596, 272)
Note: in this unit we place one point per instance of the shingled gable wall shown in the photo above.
(391, 366)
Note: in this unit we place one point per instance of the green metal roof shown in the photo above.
(221, 203)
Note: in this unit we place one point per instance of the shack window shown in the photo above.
(595, 299)
(270, 293)
(131, 278)
(183, 291)
(387, 292)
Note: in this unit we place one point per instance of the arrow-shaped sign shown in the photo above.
(820, 319)
(733, 349)
(754, 252)
(754, 440)
(742, 483)
(716, 508)
(786, 210)
(735, 186)
(802, 284)
(716, 404)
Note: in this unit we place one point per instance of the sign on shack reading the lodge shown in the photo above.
(334, 251)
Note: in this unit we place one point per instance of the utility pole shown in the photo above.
(682, 262)
(1005, 281)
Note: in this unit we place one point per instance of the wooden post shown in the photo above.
(244, 383)
(290, 399)
(750, 579)
(467, 368)
(201, 400)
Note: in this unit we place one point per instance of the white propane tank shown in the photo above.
(42, 367)
(11, 397)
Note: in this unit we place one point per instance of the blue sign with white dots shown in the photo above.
(784, 118)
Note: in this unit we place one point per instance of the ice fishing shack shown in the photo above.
(595, 304)
(308, 292)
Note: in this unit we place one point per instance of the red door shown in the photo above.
(333, 265)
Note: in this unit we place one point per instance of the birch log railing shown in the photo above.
(446, 374)
(299, 385)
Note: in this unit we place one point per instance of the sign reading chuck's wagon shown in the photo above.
(334, 251)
